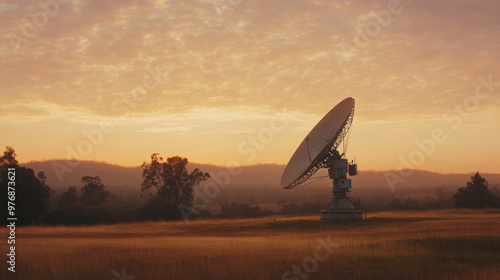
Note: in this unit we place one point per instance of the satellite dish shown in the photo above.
(319, 150)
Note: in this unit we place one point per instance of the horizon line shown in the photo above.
(248, 165)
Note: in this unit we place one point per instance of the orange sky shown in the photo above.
(245, 83)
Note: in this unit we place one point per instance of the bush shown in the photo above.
(76, 214)
(98, 215)
(156, 209)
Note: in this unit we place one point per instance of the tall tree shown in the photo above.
(93, 193)
(68, 199)
(31, 192)
(8, 159)
(476, 194)
(170, 181)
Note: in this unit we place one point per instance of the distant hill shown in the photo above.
(260, 184)
(262, 175)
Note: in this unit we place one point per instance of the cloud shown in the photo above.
(279, 53)
(230, 75)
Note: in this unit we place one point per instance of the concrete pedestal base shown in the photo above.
(341, 209)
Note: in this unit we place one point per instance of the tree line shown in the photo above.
(166, 185)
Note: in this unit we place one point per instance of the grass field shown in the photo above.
(444, 244)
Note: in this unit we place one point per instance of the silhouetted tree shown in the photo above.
(93, 193)
(223, 199)
(476, 194)
(31, 192)
(68, 199)
(76, 214)
(98, 215)
(56, 217)
(171, 184)
(8, 159)
(123, 210)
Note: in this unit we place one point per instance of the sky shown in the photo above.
(240, 82)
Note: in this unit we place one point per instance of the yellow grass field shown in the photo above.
(444, 244)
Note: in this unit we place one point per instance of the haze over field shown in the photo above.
(259, 184)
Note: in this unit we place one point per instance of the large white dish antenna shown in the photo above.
(319, 145)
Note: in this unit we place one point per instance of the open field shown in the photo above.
(444, 244)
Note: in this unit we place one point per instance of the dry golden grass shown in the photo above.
(445, 244)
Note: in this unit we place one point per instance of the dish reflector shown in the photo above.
(319, 144)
